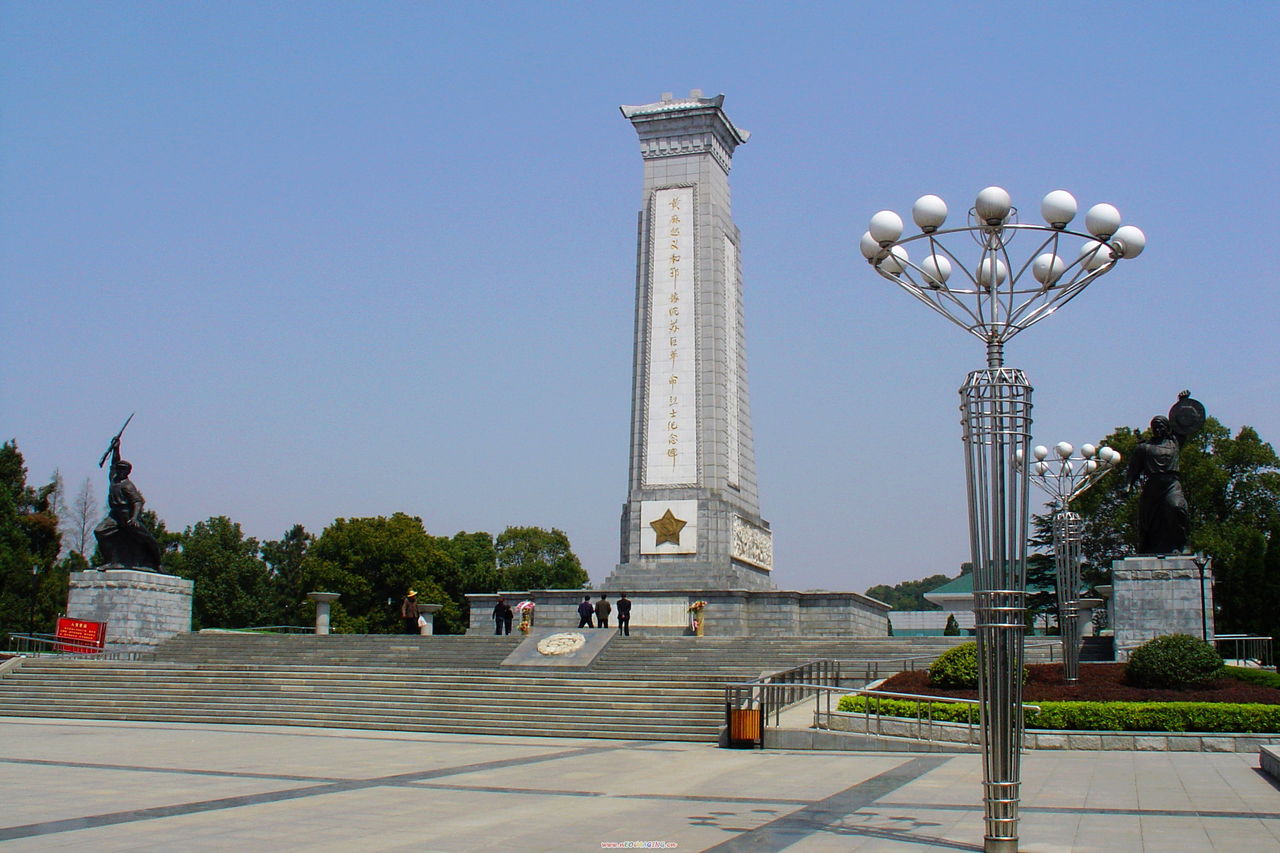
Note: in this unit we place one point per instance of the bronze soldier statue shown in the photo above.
(1164, 521)
(122, 539)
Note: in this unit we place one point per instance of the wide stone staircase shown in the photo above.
(644, 688)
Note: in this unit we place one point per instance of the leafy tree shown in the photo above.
(1232, 485)
(1042, 584)
(953, 627)
(476, 560)
(29, 539)
(233, 587)
(475, 564)
(909, 595)
(373, 562)
(535, 558)
(284, 557)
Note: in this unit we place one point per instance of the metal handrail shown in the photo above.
(51, 645)
(1246, 648)
(923, 718)
(268, 629)
(772, 693)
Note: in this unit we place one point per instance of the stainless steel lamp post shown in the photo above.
(968, 275)
(1064, 479)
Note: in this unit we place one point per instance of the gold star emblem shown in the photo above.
(668, 528)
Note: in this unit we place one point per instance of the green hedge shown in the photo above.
(1260, 677)
(947, 712)
(1106, 716)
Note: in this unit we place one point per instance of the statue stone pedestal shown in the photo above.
(141, 608)
(1153, 596)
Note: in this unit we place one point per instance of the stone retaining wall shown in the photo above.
(729, 613)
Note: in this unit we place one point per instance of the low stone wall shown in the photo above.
(956, 733)
(729, 613)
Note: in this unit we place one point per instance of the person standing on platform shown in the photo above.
(603, 609)
(624, 615)
(409, 612)
(502, 615)
(585, 612)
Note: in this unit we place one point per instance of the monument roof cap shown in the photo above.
(695, 102)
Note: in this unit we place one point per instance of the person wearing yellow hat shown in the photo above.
(409, 612)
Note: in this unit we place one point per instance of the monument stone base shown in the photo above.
(141, 608)
(729, 613)
(1153, 596)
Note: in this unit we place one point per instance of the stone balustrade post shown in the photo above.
(322, 600)
(428, 612)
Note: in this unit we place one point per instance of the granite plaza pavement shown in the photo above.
(149, 786)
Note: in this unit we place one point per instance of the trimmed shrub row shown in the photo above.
(1260, 677)
(1101, 716)
(947, 712)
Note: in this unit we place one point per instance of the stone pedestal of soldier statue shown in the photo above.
(1163, 590)
(141, 606)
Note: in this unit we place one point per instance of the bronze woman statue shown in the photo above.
(1164, 522)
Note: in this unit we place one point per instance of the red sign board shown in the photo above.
(83, 635)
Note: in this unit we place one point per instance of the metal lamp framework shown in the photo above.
(1064, 477)
(969, 275)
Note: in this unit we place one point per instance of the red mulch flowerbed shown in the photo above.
(1099, 682)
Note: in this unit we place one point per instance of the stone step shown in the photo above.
(652, 688)
(386, 680)
(628, 731)
(456, 711)
(670, 697)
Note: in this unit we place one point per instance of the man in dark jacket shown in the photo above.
(502, 617)
(603, 609)
(585, 612)
(624, 615)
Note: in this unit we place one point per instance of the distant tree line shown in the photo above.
(241, 582)
(909, 595)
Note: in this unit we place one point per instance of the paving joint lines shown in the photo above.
(329, 787)
(1094, 810)
(782, 832)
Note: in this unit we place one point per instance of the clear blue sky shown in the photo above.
(352, 259)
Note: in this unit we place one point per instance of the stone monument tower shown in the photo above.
(692, 516)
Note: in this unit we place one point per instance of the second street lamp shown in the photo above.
(989, 294)
(1064, 478)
